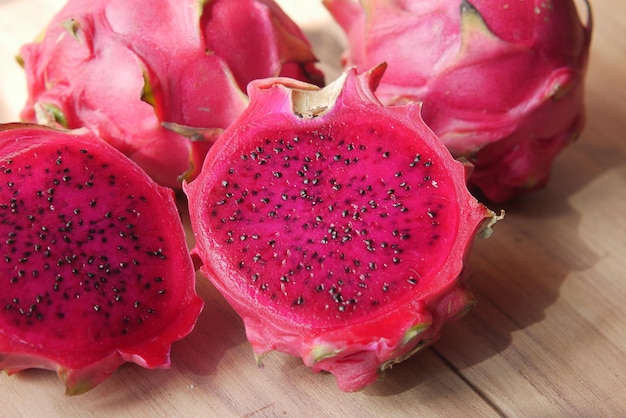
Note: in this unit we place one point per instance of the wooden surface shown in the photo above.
(547, 338)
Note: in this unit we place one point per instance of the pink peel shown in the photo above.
(106, 66)
(498, 82)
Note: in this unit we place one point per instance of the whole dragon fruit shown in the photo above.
(501, 82)
(337, 228)
(159, 80)
(94, 268)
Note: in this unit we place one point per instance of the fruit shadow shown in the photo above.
(218, 330)
(328, 44)
(518, 272)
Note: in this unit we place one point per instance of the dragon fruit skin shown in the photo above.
(337, 228)
(159, 81)
(88, 280)
(502, 84)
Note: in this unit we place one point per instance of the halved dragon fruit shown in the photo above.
(501, 83)
(337, 228)
(159, 80)
(94, 268)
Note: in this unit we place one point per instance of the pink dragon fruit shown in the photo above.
(501, 83)
(337, 228)
(159, 80)
(95, 270)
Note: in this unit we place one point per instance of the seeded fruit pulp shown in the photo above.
(94, 270)
(336, 228)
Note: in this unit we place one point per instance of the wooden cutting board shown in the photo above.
(547, 338)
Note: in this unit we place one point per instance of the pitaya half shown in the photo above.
(159, 80)
(94, 268)
(337, 228)
(501, 82)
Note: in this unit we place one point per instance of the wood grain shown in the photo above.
(547, 338)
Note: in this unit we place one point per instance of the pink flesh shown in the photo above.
(333, 224)
(86, 269)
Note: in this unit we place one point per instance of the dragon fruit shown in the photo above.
(501, 82)
(159, 80)
(337, 228)
(95, 271)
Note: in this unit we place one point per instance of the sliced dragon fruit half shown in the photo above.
(336, 227)
(94, 267)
